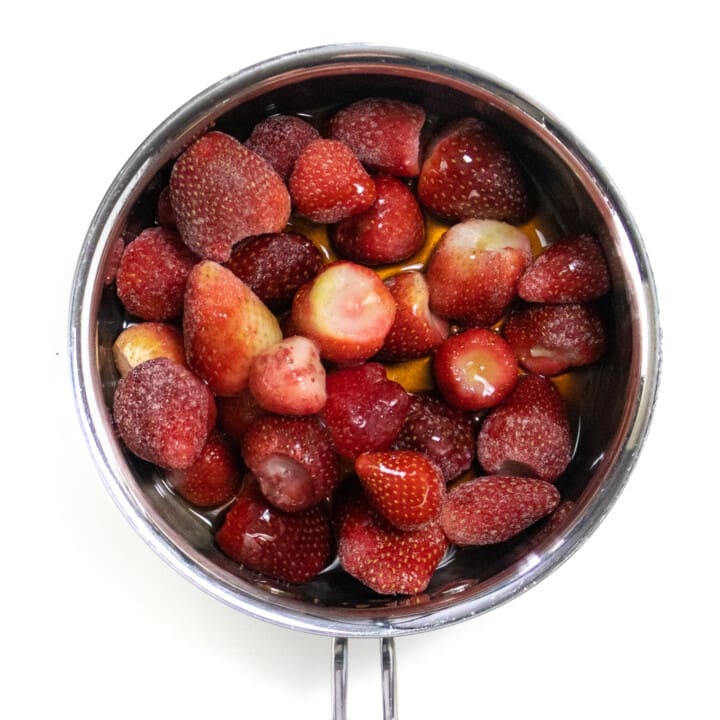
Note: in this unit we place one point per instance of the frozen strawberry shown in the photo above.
(222, 192)
(383, 133)
(292, 547)
(475, 369)
(528, 434)
(473, 272)
(493, 509)
(164, 413)
(404, 486)
(468, 172)
(165, 214)
(346, 310)
(385, 559)
(236, 414)
(213, 478)
(288, 378)
(364, 410)
(391, 230)
(275, 265)
(554, 522)
(225, 327)
(146, 341)
(416, 331)
(441, 432)
(280, 139)
(293, 460)
(153, 270)
(571, 270)
(328, 183)
(549, 339)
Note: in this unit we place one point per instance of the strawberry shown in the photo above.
(288, 378)
(236, 414)
(549, 339)
(385, 559)
(441, 432)
(475, 369)
(554, 522)
(293, 460)
(493, 509)
(151, 277)
(328, 183)
(280, 139)
(468, 172)
(275, 265)
(346, 310)
(292, 547)
(391, 230)
(528, 434)
(404, 486)
(571, 270)
(213, 478)
(473, 271)
(364, 410)
(225, 326)
(164, 211)
(146, 341)
(383, 133)
(416, 330)
(164, 413)
(222, 192)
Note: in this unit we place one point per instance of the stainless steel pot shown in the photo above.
(614, 399)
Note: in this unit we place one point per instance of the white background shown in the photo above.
(94, 625)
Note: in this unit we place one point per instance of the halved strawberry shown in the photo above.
(293, 459)
(328, 183)
(469, 172)
(404, 486)
(225, 326)
(416, 330)
(493, 509)
(528, 434)
(475, 369)
(346, 310)
(391, 230)
(473, 272)
(571, 270)
(292, 547)
(364, 410)
(441, 432)
(222, 192)
(549, 339)
(383, 133)
(385, 559)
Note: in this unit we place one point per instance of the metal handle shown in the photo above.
(339, 678)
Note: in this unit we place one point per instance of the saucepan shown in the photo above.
(611, 402)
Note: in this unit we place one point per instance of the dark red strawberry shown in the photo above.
(383, 133)
(475, 369)
(328, 183)
(280, 139)
(213, 478)
(493, 509)
(549, 339)
(236, 414)
(151, 277)
(164, 413)
(165, 214)
(364, 410)
(293, 460)
(469, 172)
(528, 434)
(441, 432)
(571, 270)
(292, 547)
(385, 559)
(275, 265)
(222, 192)
(404, 486)
(554, 522)
(391, 230)
(473, 272)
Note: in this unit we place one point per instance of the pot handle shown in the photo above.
(339, 678)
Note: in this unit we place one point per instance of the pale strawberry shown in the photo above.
(146, 341)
